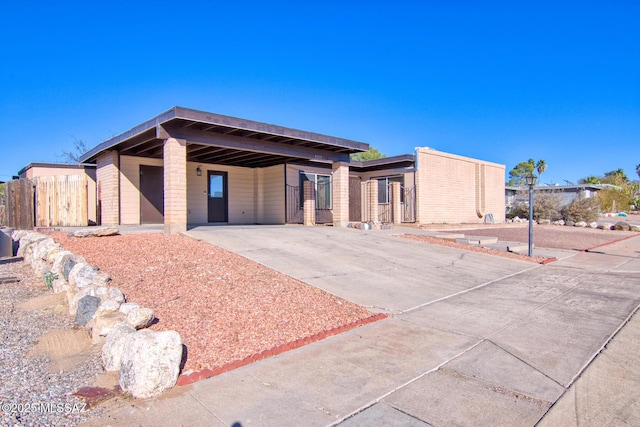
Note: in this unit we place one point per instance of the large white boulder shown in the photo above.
(150, 363)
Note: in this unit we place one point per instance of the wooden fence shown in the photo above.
(19, 211)
(46, 201)
(61, 201)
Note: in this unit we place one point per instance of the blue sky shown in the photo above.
(499, 81)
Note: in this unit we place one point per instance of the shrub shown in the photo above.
(623, 196)
(547, 205)
(582, 209)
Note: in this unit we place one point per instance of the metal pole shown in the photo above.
(530, 220)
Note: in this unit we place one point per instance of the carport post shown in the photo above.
(175, 186)
(340, 183)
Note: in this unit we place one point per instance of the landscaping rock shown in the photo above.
(87, 306)
(81, 275)
(593, 224)
(108, 306)
(634, 228)
(605, 226)
(150, 363)
(570, 223)
(102, 324)
(67, 267)
(622, 226)
(114, 346)
(140, 317)
(100, 279)
(544, 221)
(128, 306)
(60, 285)
(558, 222)
(95, 232)
(580, 224)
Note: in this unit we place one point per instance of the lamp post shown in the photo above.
(531, 181)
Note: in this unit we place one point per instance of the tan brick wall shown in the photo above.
(457, 189)
(309, 206)
(108, 182)
(340, 183)
(175, 186)
(396, 204)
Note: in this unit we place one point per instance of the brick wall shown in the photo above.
(108, 183)
(175, 186)
(455, 189)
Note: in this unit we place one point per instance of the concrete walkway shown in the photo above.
(474, 339)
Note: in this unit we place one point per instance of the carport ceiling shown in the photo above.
(216, 139)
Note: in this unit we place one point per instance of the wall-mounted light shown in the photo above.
(198, 171)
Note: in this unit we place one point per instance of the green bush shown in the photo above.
(582, 209)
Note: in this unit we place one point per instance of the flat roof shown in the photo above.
(56, 165)
(206, 134)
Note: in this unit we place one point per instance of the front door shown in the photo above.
(151, 194)
(217, 196)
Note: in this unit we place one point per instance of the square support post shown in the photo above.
(108, 187)
(373, 200)
(175, 186)
(396, 203)
(309, 206)
(340, 182)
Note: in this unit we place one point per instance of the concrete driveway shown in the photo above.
(474, 339)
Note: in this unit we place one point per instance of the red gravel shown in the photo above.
(225, 307)
(451, 244)
(550, 236)
(544, 236)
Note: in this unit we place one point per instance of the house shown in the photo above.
(192, 167)
(520, 195)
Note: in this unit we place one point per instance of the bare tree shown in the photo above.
(79, 148)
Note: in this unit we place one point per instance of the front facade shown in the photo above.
(192, 167)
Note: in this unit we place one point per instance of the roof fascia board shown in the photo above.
(112, 142)
(257, 146)
(250, 125)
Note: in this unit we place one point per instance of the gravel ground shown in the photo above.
(463, 246)
(26, 384)
(224, 306)
(550, 236)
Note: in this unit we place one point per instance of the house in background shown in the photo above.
(520, 195)
(192, 167)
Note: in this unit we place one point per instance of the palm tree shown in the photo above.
(541, 166)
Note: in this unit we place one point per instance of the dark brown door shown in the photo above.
(151, 194)
(217, 196)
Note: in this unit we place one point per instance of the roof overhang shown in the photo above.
(218, 139)
(395, 162)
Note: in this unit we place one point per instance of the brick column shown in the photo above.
(108, 187)
(373, 200)
(175, 186)
(396, 204)
(309, 206)
(340, 183)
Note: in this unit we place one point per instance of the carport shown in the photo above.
(188, 166)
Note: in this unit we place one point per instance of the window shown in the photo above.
(323, 189)
(384, 190)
